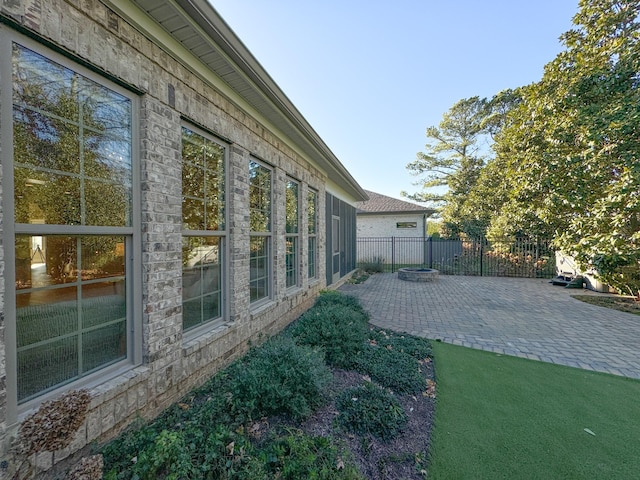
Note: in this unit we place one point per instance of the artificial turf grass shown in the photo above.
(505, 417)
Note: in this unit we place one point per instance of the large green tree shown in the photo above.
(570, 153)
(450, 165)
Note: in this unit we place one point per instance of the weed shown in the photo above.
(369, 409)
(296, 455)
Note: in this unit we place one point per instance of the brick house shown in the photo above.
(163, 204)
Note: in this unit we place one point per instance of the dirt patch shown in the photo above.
(623, 304)
(404, 457)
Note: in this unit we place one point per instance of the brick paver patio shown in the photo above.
(528, 318)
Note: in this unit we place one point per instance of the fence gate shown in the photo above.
(503, 258)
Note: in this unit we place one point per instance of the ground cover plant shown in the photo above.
(506, 417)
(286, 410)
(623, 304)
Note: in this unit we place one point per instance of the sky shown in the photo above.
(370, 76)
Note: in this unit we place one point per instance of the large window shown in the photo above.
(72, 210)
(203, 220)
(260, 237)
(292, 233)
(312, 213)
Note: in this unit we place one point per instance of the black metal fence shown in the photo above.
(506, 258)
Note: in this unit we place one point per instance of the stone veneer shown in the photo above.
(171, 364)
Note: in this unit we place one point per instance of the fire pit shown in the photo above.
(418, 274)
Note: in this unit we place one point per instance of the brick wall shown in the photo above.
(170, 364)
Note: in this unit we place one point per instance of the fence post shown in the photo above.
(481, 255)
(393, 254)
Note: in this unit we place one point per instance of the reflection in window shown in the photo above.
(72, 146)
(291, 255)
(260, 226)
(201, 280)
(203, 222)
(72, 168)
(312, 222)
(70, 308)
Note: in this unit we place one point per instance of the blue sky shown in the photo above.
(370, 75)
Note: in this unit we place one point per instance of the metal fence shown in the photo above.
(507, 258)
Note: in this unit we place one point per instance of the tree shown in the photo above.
(571, 150)
(454, 161)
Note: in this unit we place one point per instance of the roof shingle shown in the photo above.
(379, 203)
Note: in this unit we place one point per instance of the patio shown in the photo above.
(524, 317)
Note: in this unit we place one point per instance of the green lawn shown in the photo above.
(505, 417)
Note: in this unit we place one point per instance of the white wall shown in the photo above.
(385, 225)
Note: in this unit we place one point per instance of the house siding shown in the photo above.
(381, 225)
(168, 363)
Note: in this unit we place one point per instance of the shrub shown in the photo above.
(369, 409)
(417, 347)
(392, 369)
(296, 455)
(374, 265)
(278, 377)
(333, 298)
(338, 328)
(167, 458)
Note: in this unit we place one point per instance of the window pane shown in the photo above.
(259, 271)
(102, 257)
(37, 138)
(46, 197)
(45, 366)
(259, 197)
(63, 315)
(292, 262)
(68, 132)
(201, 280)
(312, 257)
(106, 204)
(312, 200)
(103, 303)
(42, 315)
(192, 180)
(203, 182)
(292, 207)
(103, 346)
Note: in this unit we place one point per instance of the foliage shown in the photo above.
(297, 455)
(221, 429)
(418, 348)
(453, 161)
(391, 368)
(279, 377)
(373, 265)
(359, 276)
(569, 155)
(167, 458)
(369, 409)
(337, 324)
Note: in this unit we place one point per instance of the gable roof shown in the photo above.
(202, 32)
(378, 204)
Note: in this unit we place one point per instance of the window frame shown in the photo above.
(406, 225)
(292, 256)
(220, 234)
(312, 235)
(131, 233)
(266, 235)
